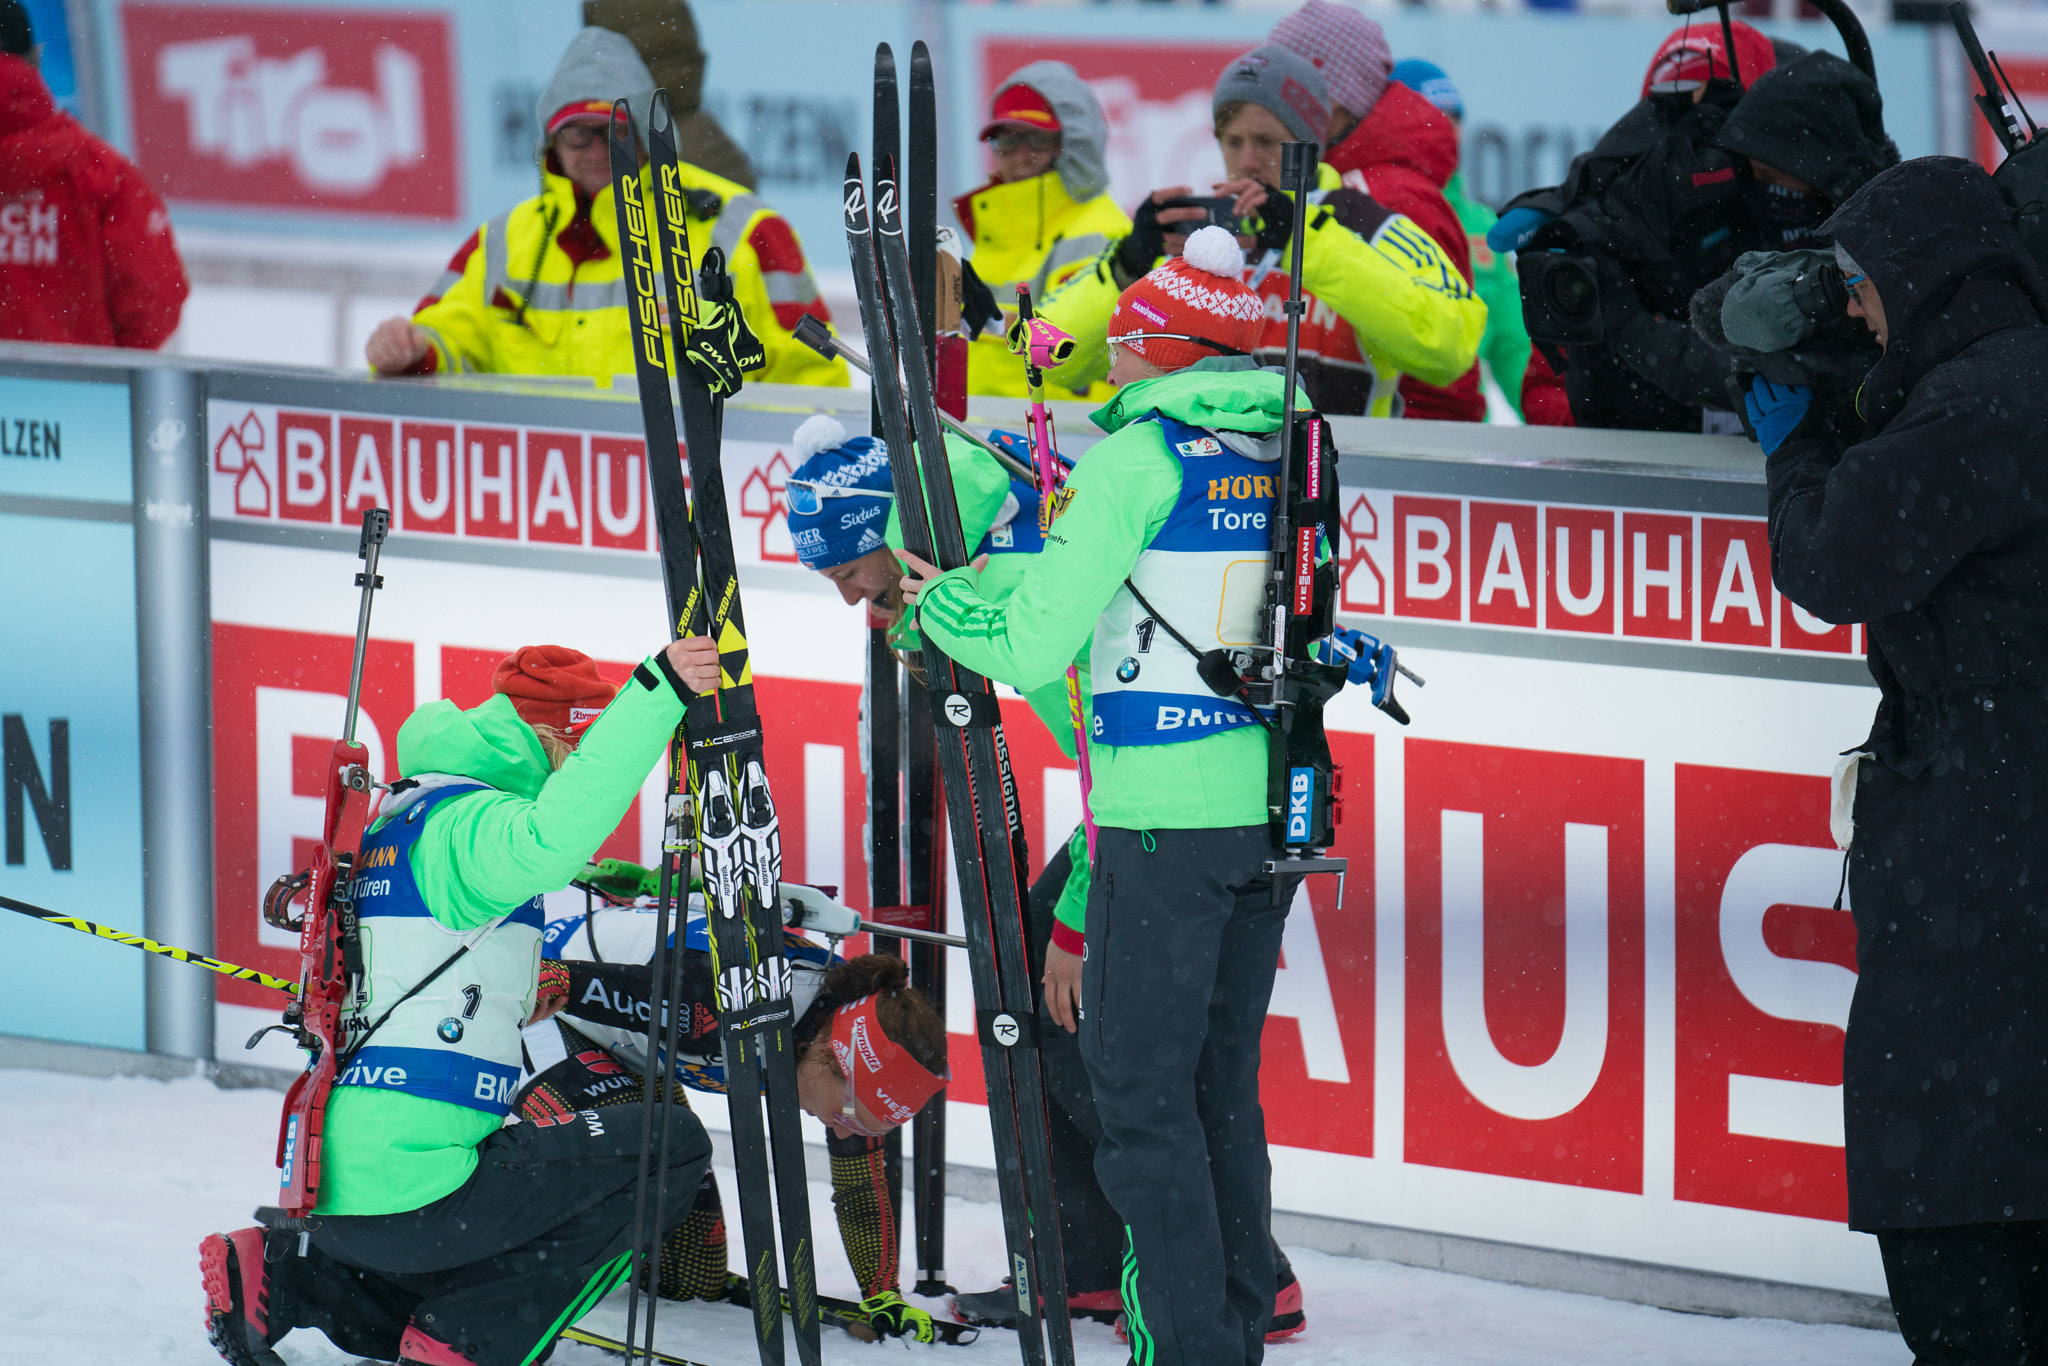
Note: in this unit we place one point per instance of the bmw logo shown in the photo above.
(450, 1030)
(1127, 670)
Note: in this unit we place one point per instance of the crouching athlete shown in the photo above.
(444, 1236)
(593, 1056)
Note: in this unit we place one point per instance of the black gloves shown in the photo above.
(978, 307)
(1145, 244)
(1276, 223)
(721, 345)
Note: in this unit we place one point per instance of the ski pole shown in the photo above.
(814, 334)
(1042, 344)
(148, 945)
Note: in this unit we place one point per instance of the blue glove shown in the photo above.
(1516, 227)
(1776, 410)
(1372, 662)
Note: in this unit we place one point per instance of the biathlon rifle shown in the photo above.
(330, 948)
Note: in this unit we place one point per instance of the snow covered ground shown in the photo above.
(110, 1184)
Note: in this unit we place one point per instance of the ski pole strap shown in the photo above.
(1006, 1029)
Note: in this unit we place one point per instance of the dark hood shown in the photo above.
(1937, 240)
(1819, 119)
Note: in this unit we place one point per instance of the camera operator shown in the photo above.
(1681, 188)
(1384, 301)
(1925, 520)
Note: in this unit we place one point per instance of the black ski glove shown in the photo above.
(978, 307)
(1276, 222)
(1142, 247)
(721, 345)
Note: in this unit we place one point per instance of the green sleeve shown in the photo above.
(483, 854)
(1400, 293)
(979, 487)
(1072, 910)
(1122, 491)
(1506, 347)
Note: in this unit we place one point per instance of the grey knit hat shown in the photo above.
(1281, 83)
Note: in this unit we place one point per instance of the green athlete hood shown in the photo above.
(488, 743)
(1224, 393)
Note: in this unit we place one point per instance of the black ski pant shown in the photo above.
(1970, 1293)
(1091, 1234)
(498, 1267)
(1183, 942)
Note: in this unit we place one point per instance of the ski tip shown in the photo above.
(920, 55)
(885, 57)
(658, 120)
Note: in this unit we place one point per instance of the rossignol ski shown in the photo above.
(330, 949)
(985, 822)
(718, 802)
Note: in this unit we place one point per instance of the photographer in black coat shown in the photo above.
(1930, 523)
(1675, 193)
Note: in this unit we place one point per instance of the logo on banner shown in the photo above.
(326, 108)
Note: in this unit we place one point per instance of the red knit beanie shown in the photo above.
(1199, 294)
(553, 685)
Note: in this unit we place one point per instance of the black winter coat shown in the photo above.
(1933, 530)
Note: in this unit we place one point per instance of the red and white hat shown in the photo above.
(580, 111)
(1019, 106)
(893, 1085)
(553, 685)
(1195, 305)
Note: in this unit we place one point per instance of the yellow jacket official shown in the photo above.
(539, 290)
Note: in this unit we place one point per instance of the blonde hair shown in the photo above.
(556, 744)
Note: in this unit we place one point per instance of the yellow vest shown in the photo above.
(514, 302)
(1030, 232)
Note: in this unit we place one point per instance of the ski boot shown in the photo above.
(417, 1348)
(998, 1308)
(1288, 1316)
(237, 1283)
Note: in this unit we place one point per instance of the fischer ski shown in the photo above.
(721, 765)
(623, 1349)
(986, 824)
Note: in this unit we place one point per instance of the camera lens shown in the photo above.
(1820, 293)
(1573, 290)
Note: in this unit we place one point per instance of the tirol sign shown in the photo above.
(301, 108)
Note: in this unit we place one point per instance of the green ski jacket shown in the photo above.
(480, 855)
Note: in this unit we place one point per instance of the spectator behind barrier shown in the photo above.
(1504, 350)
(1044, 214)
(1394, 145)
(1925, 521)
(86, 253)
(1385, 301)
(1692, 178)
(540, 289)
(664, 33)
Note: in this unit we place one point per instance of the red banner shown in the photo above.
(337, 109)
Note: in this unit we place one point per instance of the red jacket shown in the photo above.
(1406, 151)
(86, 254)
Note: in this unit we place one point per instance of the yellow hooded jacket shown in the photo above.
(539, 290)
(1030, 232)
(1403, 309)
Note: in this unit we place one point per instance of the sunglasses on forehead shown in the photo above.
(807, 496)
